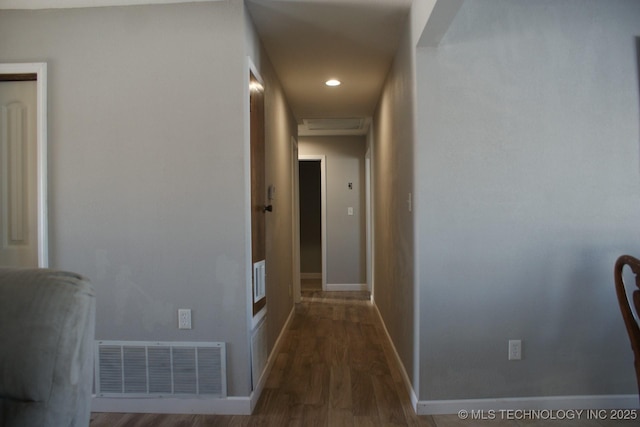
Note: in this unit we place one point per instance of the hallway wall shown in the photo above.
(395, 293)
(529, 183)
(280, 127)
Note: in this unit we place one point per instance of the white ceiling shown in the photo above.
(308, 42)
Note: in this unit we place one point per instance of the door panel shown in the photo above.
(18, 174)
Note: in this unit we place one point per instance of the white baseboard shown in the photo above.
(255, 395)
(172, 405)
(346, 287)
(310, 275)
(403, 372)
(435, 407)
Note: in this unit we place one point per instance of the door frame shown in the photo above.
(295, 224)
(323, 209)
(368, 161)
(256, 321)
(40, 70)
(253, 318)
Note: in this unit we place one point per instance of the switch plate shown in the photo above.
(349, 211)
(515, 350)
(184, 318)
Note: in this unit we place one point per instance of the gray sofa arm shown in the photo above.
(47, 325)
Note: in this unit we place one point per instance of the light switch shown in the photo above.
(349, 210)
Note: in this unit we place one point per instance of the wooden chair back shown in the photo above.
(628, 308)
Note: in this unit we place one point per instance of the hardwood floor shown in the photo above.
(310, 285)
(335, 368)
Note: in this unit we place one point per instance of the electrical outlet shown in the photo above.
(184, 318)
(515, 350)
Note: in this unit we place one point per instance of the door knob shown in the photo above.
(267, 208)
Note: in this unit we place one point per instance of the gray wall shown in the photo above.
(527, 168)
(146, 164)
(393, 259)
(346, 235)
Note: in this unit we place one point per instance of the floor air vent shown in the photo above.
(156, 369)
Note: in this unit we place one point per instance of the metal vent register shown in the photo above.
(156, 369)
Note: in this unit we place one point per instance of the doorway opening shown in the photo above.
(310, 226)
(312, 203)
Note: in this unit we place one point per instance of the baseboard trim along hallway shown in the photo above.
(331, 287)
(255, 395)
(171, 405)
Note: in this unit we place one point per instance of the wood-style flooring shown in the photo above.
(335, 368)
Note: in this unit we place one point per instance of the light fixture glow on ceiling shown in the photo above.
(333, 82)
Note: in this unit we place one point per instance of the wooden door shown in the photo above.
(258, 187)
(18, 172)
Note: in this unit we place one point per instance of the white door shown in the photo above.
(18, 174)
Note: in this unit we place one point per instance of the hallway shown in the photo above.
(332, 369)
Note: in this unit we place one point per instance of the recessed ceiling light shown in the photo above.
(333, 82)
